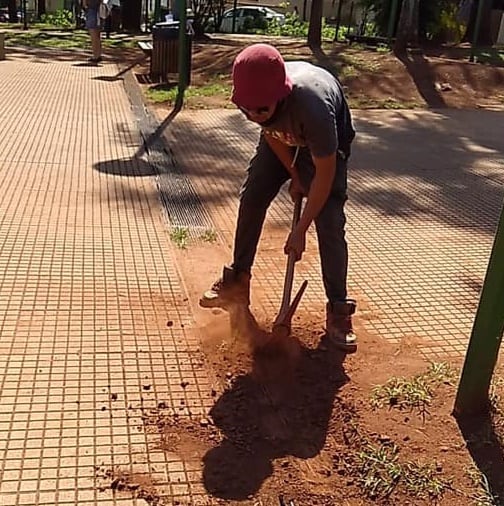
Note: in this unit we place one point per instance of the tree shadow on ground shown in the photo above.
(486, 450)
(443, 167)
(281, 408)
(424, 77)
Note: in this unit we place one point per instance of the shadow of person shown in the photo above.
(487, 451)
(281, 408)
(131, 167)
(87, 64)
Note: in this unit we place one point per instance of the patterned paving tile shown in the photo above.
(425, 195)
(87, 285)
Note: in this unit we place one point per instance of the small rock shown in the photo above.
(103, 408)
(285, 463)
(113, 396)
(184, 384)
(169, 323)
(406, 438)
(133, 486)
(444, 448)
(213, 393)
(161, 405)
(204, 422)
(384, 439)
(147, 387)
(439, 467)
(229, 375)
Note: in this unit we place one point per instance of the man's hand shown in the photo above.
(296, 243)
(296, 190)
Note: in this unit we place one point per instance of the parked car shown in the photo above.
(4, 16)
(249, 16)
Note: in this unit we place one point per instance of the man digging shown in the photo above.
(306, 136)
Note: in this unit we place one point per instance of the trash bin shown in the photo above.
(165, 51)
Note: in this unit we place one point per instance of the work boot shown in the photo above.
(339, 325)
(232, 288)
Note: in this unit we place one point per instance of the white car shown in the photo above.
(253, 13)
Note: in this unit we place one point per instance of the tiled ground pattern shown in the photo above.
(87, 287)
(425, 194)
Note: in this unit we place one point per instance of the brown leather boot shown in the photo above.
(339, 325)
(232, 288)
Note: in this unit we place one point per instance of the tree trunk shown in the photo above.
(41, 8)
(315, 28)
(407, 29)
(484, 38)
(12, 11)
(304, 9)
(131, 14)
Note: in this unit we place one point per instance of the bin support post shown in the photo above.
(183, 56)
(2, 46)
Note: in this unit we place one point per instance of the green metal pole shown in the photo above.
(157, 11)
(392, 19)
(183, 55)
(477, 28)
(486, 336)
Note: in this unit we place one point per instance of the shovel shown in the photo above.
(282, 323)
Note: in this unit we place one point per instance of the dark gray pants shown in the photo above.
(265, 176)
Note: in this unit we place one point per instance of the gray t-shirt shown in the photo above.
(315, 114)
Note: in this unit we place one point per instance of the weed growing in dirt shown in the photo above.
(166, 93)
(423, 480)
(412, 393)
(483, 495)
(209, 236)
(378, 469)
(180, 236)
(380, 472)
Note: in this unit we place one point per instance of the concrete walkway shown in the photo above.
(94, 321)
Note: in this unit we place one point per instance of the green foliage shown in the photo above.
(58, 19)
(437, 18)
(412, 393)
(180, 236)
(294, 27)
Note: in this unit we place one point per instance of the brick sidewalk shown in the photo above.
(87, 285)
(425, 194)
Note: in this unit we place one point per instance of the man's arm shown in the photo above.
(325, 170)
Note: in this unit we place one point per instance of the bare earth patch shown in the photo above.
(371, 79)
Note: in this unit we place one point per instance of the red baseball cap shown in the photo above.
(259, 77)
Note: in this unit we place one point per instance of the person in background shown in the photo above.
(93, 25)
(113, 17)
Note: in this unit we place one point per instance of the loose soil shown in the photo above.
(293, 420)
